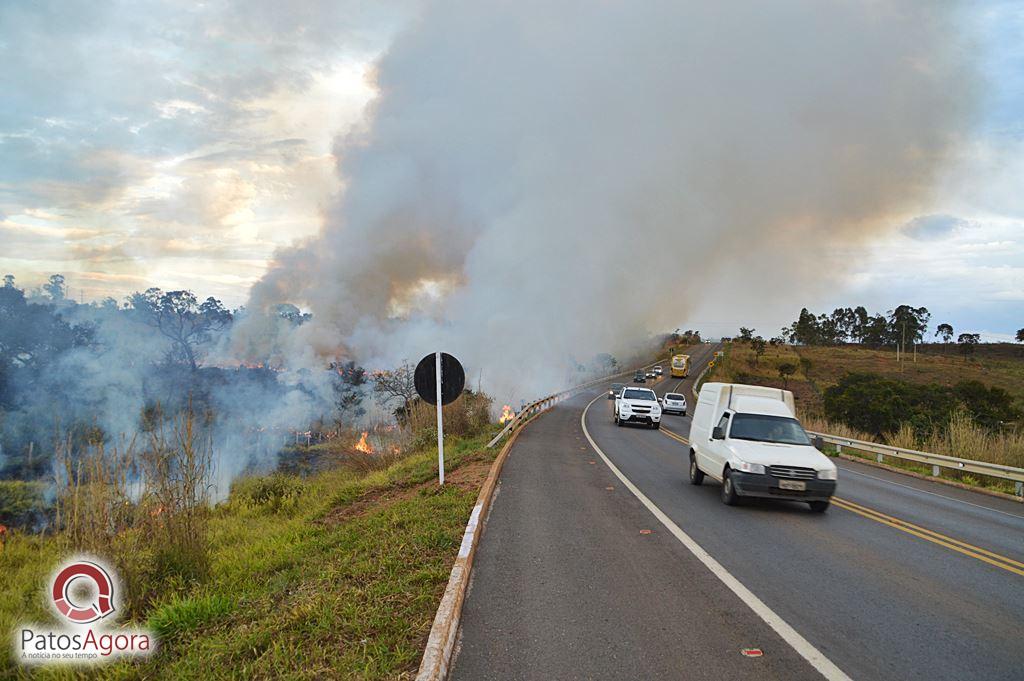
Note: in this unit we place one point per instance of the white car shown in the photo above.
(674, 403)
(658, 370)
(637, 405)
(747, 437)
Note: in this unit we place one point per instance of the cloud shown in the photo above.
(161, 124)
(933, 227)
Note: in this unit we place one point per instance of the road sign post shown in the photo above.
(440, 418)
(439, 380)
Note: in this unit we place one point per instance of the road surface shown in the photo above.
(901, 579)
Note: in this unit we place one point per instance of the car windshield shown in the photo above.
(616, 386)
(674, 396)
(764, 428)
(634, 394)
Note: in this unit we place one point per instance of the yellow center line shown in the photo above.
(672, 435)
(929, 535)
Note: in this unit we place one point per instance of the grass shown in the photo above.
(337, 575)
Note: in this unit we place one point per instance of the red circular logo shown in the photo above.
(83, 613)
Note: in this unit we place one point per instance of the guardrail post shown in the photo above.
(935, 471)
(839, 448)
(880, 457)
(1020, 489)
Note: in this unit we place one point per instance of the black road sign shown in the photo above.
(453, 378)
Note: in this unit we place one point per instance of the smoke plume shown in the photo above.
(540, 182)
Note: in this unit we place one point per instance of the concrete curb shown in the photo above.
(437, 654)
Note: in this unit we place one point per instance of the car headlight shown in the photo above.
(755, 468)
(829, 474)
(624, 406)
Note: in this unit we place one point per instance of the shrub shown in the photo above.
(23, 504)
(272, 493)
(878, 405)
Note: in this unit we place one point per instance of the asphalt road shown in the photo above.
(565, 586)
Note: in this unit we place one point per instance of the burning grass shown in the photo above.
(330, 574)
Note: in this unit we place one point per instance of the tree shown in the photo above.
(348, 389)
(945, 331)
(55, 288)
(746, 335)
(907, 324)
(29, 333)
(805, 330)
(786, 369)
(182, 319)
(8, 281)
(604, 363)
(874, 331)
(967, 341)
(293, 314)
(396, 385)
(1020, 335)
(759, 345)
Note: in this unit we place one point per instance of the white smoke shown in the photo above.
(540, 182)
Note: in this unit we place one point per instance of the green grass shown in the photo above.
(296, 591)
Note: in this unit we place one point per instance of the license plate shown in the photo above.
(795, 485)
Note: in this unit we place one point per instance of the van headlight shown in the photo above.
(624, 406)
(829, 474)
(755, 468)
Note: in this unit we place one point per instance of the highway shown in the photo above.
(901, 579)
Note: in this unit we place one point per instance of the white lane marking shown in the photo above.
(934, 494)
(802, 646)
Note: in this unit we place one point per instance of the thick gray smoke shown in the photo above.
(540, 182)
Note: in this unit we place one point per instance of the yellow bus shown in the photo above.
(680, 366)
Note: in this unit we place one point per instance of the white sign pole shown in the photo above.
(440, 422)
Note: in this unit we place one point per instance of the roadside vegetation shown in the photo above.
(942, 401)
(335, 571)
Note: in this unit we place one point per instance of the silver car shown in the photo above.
(674, 403)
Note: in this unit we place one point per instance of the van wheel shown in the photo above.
(696, 474)
(818, 506)
(729, 496)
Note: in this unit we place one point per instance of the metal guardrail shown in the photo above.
(936, 461)
(544, 403)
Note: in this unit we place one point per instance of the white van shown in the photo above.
(747, 437)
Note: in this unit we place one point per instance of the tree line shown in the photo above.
(92, 371)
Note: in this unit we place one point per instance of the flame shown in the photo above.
(362, 446)
(506, 414)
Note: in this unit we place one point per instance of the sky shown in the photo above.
(181, 145)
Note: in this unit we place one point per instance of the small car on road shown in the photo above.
(674, 403)
(615, 389)
(639, 377)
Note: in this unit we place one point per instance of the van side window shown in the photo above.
(723, 423)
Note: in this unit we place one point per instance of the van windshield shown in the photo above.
(763, 428)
